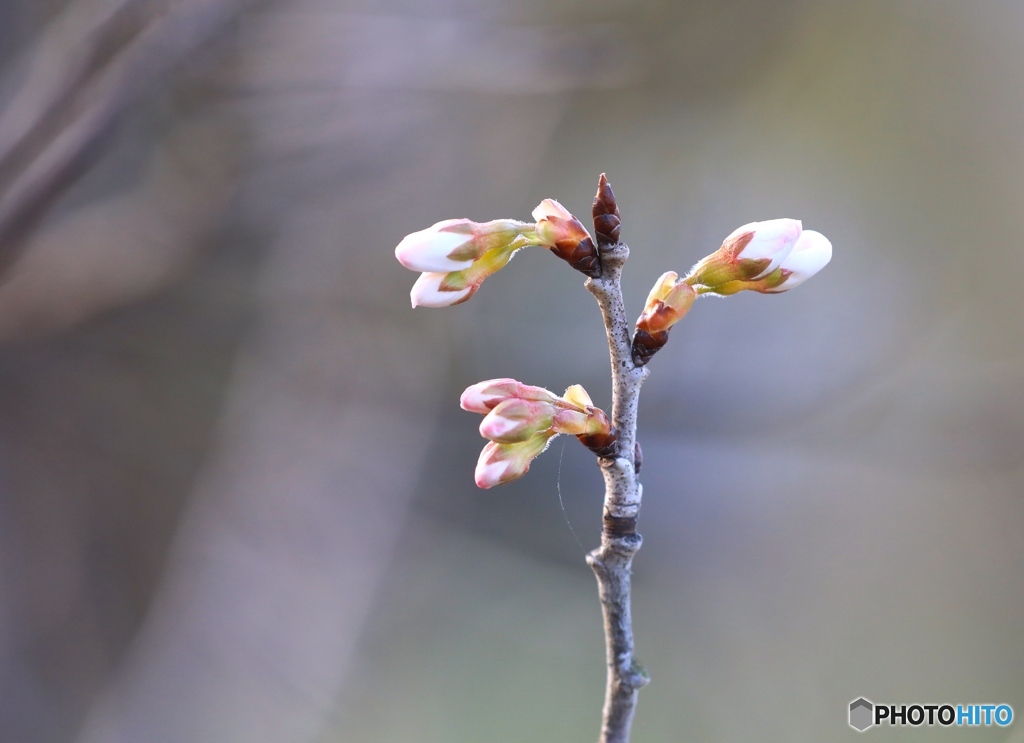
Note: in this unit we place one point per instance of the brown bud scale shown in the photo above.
(602, 444)
(645, 345)
(582, 256)
(607, 219)
(606, 226)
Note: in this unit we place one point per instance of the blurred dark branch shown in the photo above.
(109, 67)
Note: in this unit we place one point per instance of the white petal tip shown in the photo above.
(427, 292)
(489, 475)
(428, 250)
(812, 252)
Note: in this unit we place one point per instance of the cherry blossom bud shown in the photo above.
(482, 397)
(454, 244)
(667, 304)
(515, 420)
(811, 253)
(751, 252)
(501, 463)
(456, 256)
(441, 290)
(519, 419)
(567, 237)
(448, 289)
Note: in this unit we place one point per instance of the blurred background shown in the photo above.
(236, 493)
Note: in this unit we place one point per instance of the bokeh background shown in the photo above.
(236, 495)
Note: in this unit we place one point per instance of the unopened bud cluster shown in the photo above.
(768, 257)
(520, 420)
(456, 255)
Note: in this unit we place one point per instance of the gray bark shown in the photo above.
(612, 561)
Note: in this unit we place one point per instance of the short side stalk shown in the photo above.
(612, 561)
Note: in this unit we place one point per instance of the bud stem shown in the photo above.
(612, 561)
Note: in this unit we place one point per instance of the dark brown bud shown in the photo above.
(638, 457)
(645, 345)
(602, 444)
(606, 214)
(581, 255)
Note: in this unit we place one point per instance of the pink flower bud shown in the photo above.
(749, 253)
(482, 397)
(454, 244)
(515, 420)
(456, 256)
(520, 419)
(811, 253)
(434, 289)
(501, 463)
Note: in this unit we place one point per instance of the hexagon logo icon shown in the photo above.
(862, 714)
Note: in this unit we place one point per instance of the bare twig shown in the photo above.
(612, 561)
